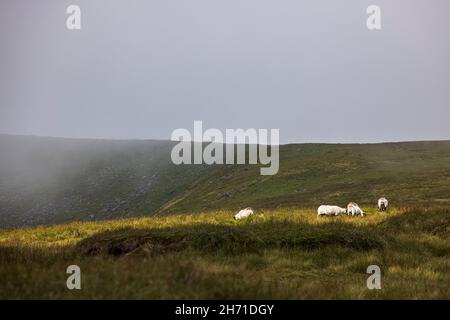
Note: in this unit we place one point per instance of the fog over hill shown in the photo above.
(53, 180)
(48, 180)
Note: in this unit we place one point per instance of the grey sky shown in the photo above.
(140, 69)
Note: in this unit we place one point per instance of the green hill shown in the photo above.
(51, 180)
(409, 173)
(168, 231)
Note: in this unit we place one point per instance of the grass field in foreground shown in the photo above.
(275, 254)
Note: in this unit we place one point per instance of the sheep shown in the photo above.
(325, 210)
(382, 204)
(244, 213)
(354, 209)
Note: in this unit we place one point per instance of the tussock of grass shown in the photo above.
(427, 220)
(231, 239)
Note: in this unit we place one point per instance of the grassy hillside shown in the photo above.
(275, 254)
(49, 180)
(411, 173)
(169, 231)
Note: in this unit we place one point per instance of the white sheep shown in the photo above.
(325, 210)
(382, 204)
(244, 213)
(354, 209)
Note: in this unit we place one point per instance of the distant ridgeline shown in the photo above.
(54, 180)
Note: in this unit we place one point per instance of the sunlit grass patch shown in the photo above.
(285, 253)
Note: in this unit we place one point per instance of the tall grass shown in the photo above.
(285, 253)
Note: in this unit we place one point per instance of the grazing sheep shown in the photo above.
(325, 210)
(354, 209)
(244, 213)
(382, 204)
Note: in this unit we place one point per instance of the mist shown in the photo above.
(141, 69)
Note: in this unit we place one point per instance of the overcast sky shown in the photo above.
(140, 69)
